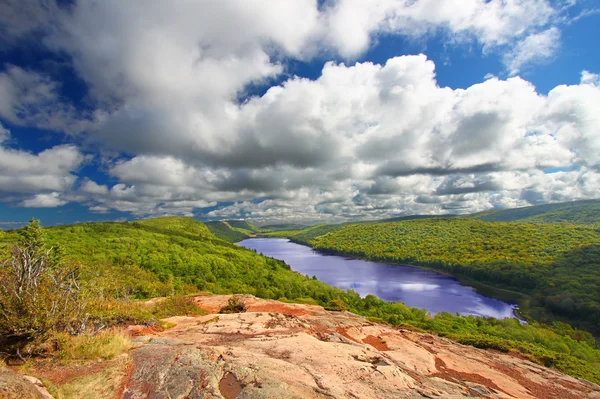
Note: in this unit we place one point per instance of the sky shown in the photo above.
(296, 110)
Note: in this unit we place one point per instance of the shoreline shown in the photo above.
(518, 301)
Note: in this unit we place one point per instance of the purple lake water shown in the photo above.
(415, 287)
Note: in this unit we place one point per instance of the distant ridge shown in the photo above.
(575, 212)
(413, 217)
(284, 226)
(232, 230)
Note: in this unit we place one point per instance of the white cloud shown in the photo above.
(571, 116)
(31, 99)
(91, 187)
(589, 78)
(51, 200)
(535, 48)
(22, 172)
(371, 141)
(4, 134)
(20, 18)
(351, 24)
(361, 141)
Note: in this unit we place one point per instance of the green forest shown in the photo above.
(575, 212)
(232, 230)
(120, 263)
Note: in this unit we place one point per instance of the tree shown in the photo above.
(38, 293)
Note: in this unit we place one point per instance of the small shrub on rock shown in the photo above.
(336, 305)
(177, 305)
(234, 305)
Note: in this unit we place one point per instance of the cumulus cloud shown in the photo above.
(4, 134)
(51, 200)
(31, 99)
(351, 24)
(51, 170)
(19, 18)
(367, 140)
(180, 131)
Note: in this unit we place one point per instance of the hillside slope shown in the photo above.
(225, 232)
(156, 257)
(576, 212)
(232, 230)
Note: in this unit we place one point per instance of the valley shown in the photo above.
(119, 267)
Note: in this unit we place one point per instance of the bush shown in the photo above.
(336, 305)
(120, 312)
(234, 305)
(38, 294)
(177, 305)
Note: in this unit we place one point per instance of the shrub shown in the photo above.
(38, 293)
(177, 305)
(119, 312)
(234, 305)
(336, 305)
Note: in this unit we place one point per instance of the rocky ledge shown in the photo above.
(16, 386)
(279, 350)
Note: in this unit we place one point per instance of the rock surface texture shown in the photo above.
(278, 350)
(16, 386)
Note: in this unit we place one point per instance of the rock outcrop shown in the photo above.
(16, 386)
(278, 350)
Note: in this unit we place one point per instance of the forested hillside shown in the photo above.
(283, 226)
(576, 212)
(307, 235)
(242, 225)
(557, 265)
(232, 230)
(144, 259)
(224, 231)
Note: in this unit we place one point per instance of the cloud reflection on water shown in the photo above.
(413, 286)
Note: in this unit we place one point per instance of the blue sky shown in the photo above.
(297, 111)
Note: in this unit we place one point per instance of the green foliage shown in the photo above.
(309, 234)
(38, 294)
(104, 345)
(175, 225)
(233, 230)
(177, 305)
(234, 305)
(284, 227)
(336, 305)
(224, 231)
(412, 217)
(576, 212)
(120, 312)
(242, 225)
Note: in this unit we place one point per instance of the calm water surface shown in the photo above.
(415, 287)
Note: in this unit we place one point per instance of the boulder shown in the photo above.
(16, 386)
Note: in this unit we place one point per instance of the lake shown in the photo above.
(415, 287)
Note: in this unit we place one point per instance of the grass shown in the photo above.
(104, 345)
(99, 385)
